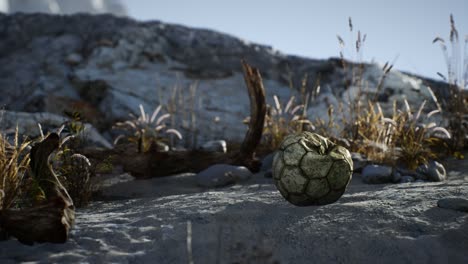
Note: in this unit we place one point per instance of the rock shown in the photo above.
(457, 204)
(433, 171)
(215, 146)
(359, 161)
(376, 174)
(220, 175)
(28, 125)
(74, 59)
(122, 61)
(396, 176)
(407, 178)
(267, 162)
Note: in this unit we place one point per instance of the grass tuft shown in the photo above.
(14, 162)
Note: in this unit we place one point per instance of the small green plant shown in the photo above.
(14, 162)
(146, 130)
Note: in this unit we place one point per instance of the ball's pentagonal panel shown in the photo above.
(288, 140)
(311, 170)
(292, 179)
(278, 165)
(316, 166)
(293, 154)
(317, 188)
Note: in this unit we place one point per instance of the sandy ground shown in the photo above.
(252, 223)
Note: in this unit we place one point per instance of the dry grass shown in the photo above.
(14, 162)
(405, 137)
(456, 104)
(281, 120)
(184, 105)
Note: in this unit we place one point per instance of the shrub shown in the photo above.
(14, 162)
(146, 130)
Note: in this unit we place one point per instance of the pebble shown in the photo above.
(432, 171)
(457, 204)
(407, 178)
(215, 146)
(359, 161)
(376, 174)
(220, 175)
(396, 176)
(73, 59)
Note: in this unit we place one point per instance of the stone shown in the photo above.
(406, 179)
(136, 60)
(359, 161)
(396, 176)
(28, 125)
(74, 59)
(376, 174)
(457, 204)
(215, 146)
(432, 171)
(220, 175)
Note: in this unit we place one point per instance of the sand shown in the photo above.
(147, 221)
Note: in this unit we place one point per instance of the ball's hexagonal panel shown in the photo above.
(299, 199)
(292, 179)
(339, 175)
(331, 197)
(315, 165)
(278, 165)
(293, 154)
(317, 188)
(281, 189)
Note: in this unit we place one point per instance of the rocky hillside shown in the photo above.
(104, 67)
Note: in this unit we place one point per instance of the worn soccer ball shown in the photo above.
(309, 169)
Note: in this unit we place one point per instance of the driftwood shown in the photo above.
(52, 219)
(156, 164)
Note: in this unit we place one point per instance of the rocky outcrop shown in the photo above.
(105, 67)
(31, 124)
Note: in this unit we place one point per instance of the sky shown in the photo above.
(398, 31)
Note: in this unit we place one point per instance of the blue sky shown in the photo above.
(397, 29)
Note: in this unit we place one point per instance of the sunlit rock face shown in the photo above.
(106, 66)
(63, 6)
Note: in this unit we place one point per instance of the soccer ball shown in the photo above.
(309, 169)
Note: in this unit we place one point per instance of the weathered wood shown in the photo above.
(52, 219)
(155, 164)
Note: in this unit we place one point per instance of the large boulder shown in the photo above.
(109, 66)
(31, 124)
